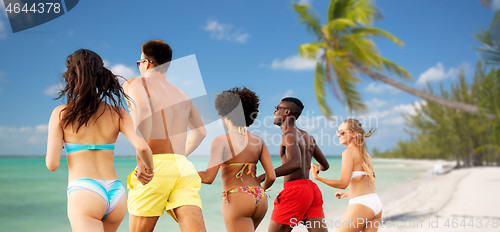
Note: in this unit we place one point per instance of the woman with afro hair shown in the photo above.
(236, 154)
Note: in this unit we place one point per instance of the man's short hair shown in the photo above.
(157, 51)
(297, 102)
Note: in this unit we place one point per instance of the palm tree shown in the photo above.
(491, 41)
(344, 47)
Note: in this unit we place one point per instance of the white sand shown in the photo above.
(457, 201)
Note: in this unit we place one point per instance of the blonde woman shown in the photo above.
(365, 207)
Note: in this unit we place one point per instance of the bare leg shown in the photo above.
(278, 227)
(317, 224)
(113, 220)
(260, 212)
(142, 224)
(85, 210)
(190, 218)
(355, 218)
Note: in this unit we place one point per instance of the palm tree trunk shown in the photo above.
(419, 93)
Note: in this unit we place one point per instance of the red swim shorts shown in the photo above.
(299, 200)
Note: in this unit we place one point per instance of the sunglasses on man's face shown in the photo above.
(141, 61)
(280, 107)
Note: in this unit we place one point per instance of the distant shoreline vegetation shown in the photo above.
(438, 132)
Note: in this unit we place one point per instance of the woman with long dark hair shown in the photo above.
(236, 154)
(365, 207)
(87, 126)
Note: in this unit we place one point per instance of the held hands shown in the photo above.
(315, 171)
(143, 175)
(340, 195)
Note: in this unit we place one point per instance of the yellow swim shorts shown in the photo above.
(175, 183)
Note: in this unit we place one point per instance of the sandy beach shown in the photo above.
(461, 200)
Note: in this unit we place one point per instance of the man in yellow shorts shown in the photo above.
(162, 114)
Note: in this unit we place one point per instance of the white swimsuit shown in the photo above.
(371, 200)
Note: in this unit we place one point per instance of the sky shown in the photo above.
(218, 45)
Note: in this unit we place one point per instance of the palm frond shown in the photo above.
(365, 31)
(331, 10)
(363, 50)
(347, 85)
(331, 78)
(320, 92)
(396, 69)
(310, 19)
(362, 12)
(340, 24)
(337, 8)
(311, 50)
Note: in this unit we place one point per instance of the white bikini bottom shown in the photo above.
(371, 201)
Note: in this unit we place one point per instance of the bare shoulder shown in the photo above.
(348, 153)
(219, 140)
(58, 109)
(128, 83)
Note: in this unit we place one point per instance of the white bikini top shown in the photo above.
(359, 173)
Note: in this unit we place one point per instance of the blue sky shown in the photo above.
(234, 43)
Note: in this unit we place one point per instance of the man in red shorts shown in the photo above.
(301, 199)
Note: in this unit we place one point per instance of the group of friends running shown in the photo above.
(157, 124)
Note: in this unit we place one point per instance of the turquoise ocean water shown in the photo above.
(32, 198)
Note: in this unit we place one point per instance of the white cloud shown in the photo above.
(122, 70)
(222, 31)
(13, 139)
(381, 88)
(394, 116)
(294, 63)
(288, 93)
(375, 103)
(53, 90)
(437, 73)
